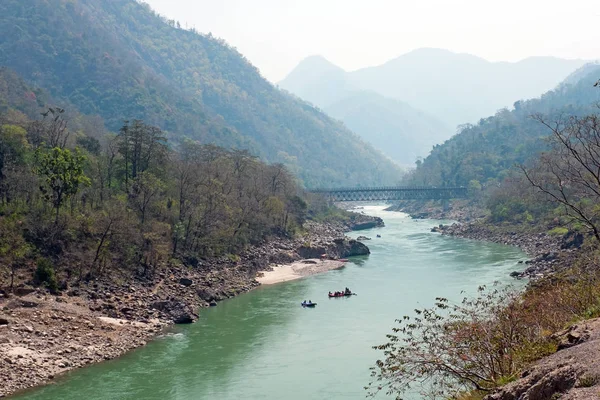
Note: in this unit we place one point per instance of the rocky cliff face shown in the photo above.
(573, 373)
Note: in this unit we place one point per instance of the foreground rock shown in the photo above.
(573, 373)
(39, 343)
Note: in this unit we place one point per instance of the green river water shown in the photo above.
(263, 345)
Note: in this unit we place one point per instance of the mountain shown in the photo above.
(455, 88)
(489, 150)
(120, 60)
(319, 81)
(399, 130)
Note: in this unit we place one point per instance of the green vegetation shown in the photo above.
(134, 201)
(119, 60)
(489, 151)
(45, 275)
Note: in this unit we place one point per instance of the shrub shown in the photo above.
(558, 231)
(451, 349)
(45, 275)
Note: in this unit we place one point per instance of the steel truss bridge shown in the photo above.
(393, 193)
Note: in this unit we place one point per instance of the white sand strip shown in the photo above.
(296, 270)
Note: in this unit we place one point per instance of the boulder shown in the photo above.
(186, 282)
(363, 238)
(179, 312)
(312, 251)
(206, 294)
(23, 290)
(572, 240)
(362, 222)
(348, 248)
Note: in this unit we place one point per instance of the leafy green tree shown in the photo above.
(62, 175)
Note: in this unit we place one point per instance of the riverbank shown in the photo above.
(44, 335)
(549, 253)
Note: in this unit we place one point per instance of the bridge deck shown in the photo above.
(393, 193)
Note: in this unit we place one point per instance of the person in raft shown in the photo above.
(348, 291)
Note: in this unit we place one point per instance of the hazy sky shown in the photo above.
(277, 34)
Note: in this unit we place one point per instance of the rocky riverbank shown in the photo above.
(44, 335)
(572, 372)
(458, 210)
(549, 253)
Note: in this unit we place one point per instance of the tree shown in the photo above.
(144, 191)
(13, 148)
(51, 131)
(569, 174)
(13, 247)
(143, 147)
(62, 175)
(453, 348)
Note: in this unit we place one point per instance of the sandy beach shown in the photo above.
(296, 270)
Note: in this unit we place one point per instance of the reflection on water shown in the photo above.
(263, 345)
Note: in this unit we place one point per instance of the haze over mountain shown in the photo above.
(399, 130)
(452, 88)
(120, 60)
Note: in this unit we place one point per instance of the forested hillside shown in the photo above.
(120, 60)
(86, 204)
(487, 151)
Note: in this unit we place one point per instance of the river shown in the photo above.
(263, 345)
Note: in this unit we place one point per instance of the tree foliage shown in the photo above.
(135, 201)
(569, 174)
(450, 348)
(62, 175)
(489, 151)
(120, 60)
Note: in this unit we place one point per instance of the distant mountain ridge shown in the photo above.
(422, 95)
(455, 88)
(120, 60)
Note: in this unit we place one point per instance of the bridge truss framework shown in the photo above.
(393, 193)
